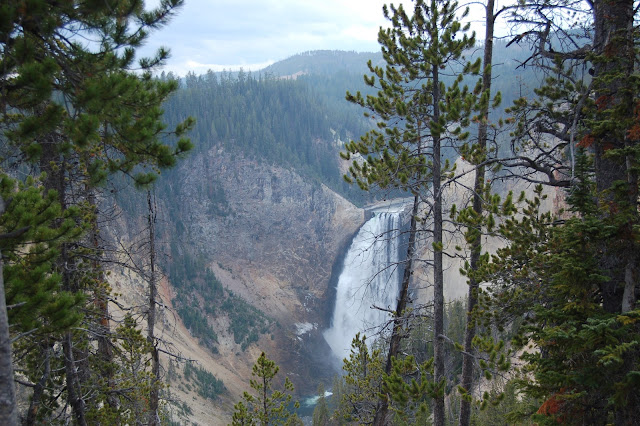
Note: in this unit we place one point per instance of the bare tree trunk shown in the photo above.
(8, 409)
(154, 419)
(73, 387)
(103, 328)
(476, 245)
(438, 278)
(631, 282)
(396, 334)
(73, 370)
(38, 390)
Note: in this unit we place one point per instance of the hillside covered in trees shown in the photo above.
(289, 122)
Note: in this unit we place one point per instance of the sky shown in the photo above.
(229, 34)
(252, 34)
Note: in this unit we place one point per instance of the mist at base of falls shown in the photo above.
(370, 278)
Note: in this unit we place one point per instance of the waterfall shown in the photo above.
(370, 276)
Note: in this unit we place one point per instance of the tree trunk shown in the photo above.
(100, 294)
(476, 245)
(38, 390)
(154, 419)
(8, 409)
(55, 166)
(403, 300)
(438, 279)
(613, 40)
(73, 388)
(631, 281)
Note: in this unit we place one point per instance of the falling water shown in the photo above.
(370, 277)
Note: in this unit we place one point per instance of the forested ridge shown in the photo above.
(293, 123)
(293, 113)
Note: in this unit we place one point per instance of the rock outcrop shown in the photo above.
(277, 232)
(271, 237)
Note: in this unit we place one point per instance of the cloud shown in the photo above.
(228, 34)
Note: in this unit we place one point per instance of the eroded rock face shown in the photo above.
(271, 237)
(270, 223)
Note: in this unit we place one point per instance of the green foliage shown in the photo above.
(246, 322)
(583, 290)
(410, 384)
(362, 383)
(289, 122)
(198, 326)
(200, 294)
(582, 313)
(410, 399)
(507, 406)
(39, 226)
(130, 365)
(76, 108)
(267, 405)
(56, 85)
(396, 153)
(192, 281)
(207, 385)
(338, 388)
(584, 356)
(177, 413)
(417, 113)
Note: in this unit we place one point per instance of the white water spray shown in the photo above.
(370, 277)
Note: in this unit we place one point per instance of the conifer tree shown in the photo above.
(154, 396)
(417, 114)
(473, 216)
(74, 105)
(8, 405)
(362, 383)
(33, 227)
(267, 405)
(583, 304)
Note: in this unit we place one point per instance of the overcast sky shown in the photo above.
(217, 34)
(229, 34)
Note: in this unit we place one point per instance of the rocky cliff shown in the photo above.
(277, 232)
(271, 237)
